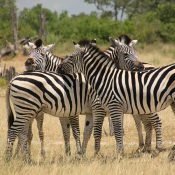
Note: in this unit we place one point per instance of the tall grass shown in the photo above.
(57, 163)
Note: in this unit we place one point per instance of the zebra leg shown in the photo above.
(116, 113)
(148, 129)
(111, 129)
(138, 124)
(74, 121)
(39, 120)
(98, 117)
(25, 142)
(98, 123)
(171, 155)
(87, 131)
(16, 128)
(65, 124)
(157, 124)
(20, 137)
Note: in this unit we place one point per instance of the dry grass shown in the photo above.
(57, 163)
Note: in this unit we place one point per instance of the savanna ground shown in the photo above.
(57, 163)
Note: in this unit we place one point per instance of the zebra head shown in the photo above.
(36, 59)
(123, 54)
(72, 63)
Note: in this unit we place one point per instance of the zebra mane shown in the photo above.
(84, 42)
(125, 39)
(88, 43)
(54, 56)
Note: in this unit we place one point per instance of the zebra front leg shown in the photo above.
(138, 124)
(74, 121)
(157, 124)
(87, 131)
(39, 120)
(171, 155)
(148, 129)
(65, 124)
(116, 113)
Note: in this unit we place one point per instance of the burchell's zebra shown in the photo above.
(123, 91)
(132, 63)
(122, 61)
(29, 47)
(48, 92)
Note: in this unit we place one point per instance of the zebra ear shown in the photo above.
(133, 42)
(94, 42)
(115, 42)
(38, 43)
(76, 45)
(49, 47)
(29, 45)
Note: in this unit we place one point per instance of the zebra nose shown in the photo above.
(29, 62)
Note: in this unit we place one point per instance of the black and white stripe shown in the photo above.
(123, 91)
(58, 95)
(131, 63)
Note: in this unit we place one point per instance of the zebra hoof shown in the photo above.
(30, 162)
(155, 153)
(98, 155)
(140, 149)
(43, 154)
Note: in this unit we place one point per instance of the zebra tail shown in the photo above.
(10, 114)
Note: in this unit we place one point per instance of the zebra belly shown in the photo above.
(63, 112)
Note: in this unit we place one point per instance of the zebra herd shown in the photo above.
(90, 82)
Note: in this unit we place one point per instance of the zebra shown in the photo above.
(124, 62)
(48, 92)
(29, 47)
(123, 91)
(155, 122)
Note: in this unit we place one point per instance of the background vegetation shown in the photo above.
(146, 20)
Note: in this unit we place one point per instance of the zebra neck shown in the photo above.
(98, 69)
(52, 62)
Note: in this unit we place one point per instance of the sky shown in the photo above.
(72, 6)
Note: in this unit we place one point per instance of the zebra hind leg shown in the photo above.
(65, 124)
(18, 127)
(39, 120)
(87, 131)
(98, 122)
(74, 121)
(20, 137)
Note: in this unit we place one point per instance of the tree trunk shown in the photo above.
(42, 21)
(15, 27)
(115, 11)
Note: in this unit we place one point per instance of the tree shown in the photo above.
(144, 6)
(117, 6)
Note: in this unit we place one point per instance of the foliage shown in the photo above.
(148, 21)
